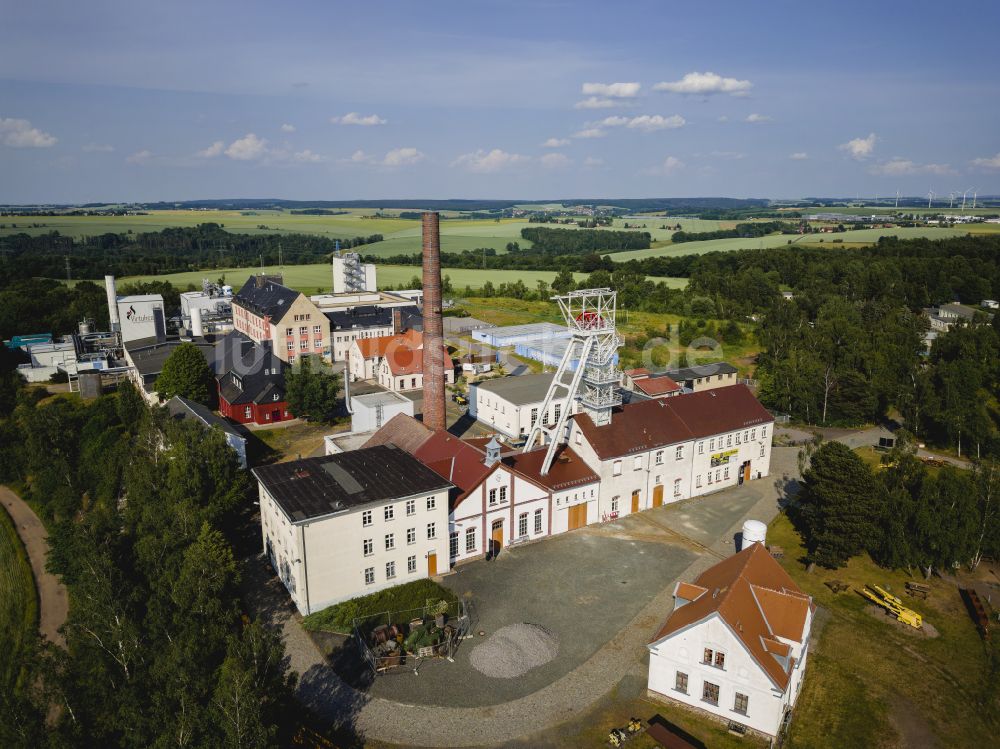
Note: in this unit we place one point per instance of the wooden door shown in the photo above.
(432, 564)
(746, 471)
(577, 516)
(658, 495)
(497, 536)
(635, 501)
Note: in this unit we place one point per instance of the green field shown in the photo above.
(18, 602)
(317, 278)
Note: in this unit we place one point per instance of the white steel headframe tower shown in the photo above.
(590, 316)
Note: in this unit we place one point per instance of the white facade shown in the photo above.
(684, 652)
(353, 552)
(351, 276)
(141, 316)
(510, 417)
(343, 340)
(372, 410)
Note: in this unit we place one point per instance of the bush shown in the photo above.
(415, 595)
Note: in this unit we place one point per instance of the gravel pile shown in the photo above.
(514, 650)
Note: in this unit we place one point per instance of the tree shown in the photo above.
(563, 282)
(839, 505)
(186, 373)
(311, 393)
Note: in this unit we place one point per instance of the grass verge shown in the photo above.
(414, 595)
(19, 609)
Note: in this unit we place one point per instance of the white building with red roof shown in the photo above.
(736, 643)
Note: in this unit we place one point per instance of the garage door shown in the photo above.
(577, 516)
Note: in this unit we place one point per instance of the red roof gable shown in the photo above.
(455, 460)
(657, 385)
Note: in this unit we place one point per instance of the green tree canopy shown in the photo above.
(186, 373)
(311, 392)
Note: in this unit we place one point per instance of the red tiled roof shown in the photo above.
(752, 594)
(568, 468)
(455, 460)
(638, 373)
(644, 425)
(657, 385)
(375, 348)
(403, 360)
(403, 431)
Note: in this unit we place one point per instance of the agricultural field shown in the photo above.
(18, 601)
(317, 277)
(871, 681)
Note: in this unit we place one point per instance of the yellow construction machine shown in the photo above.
(893, 605)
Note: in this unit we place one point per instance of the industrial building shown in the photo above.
(512, 335)
(704, 376)
(146, 357)
(369, 412)
(512, 405)
(348, 524)
(549, 352)
(737, 642)
(185, 409)
(351, 276)
(266, 310)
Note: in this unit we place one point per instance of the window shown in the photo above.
(388, 512)
(247, 412)
(534, 416)
(753, 434)
(616, 468)
(710, 692)
(697, 481)
(470, 540)
(614, 503)
(538, 521)
(737, 438)
(289, 331)
(411, 507)
(522, 525)
(711, 444)
(303, 344)
(276, 397)
(369, 547)
(493, 496)
(741, 704)
(431, 532)
(411, 564)
(729, 440)
(725, 473)
(720, 660)
(579, 438)
(679, 454)
(556, 411)
(763, 432)
(413, 382)
(637, 463)
(317, 330)
(366, 518)
(681, 682)
(453, 544)
(745, 436)
(762, 451)
(708, 656)
(431, 503)
(390, 541)
(718, 471)
(369, 575)
(411, 535)
(710, 477)
(303, 330)
(701, 448)
(503, 493)
(677, 487)
(390, 570)
(659, 457)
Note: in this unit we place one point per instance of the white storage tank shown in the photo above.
(754, 532)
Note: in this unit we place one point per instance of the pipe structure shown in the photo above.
(112, 292)
(433, 353)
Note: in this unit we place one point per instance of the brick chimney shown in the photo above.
(397, 320)
(433, 352)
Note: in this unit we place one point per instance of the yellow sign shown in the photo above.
(721, 459)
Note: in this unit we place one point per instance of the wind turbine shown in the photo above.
(897, 198)
(930, 197)
(974, 193)
(963, 196)
(951, 200)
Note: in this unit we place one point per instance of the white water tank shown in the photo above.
(754, 532)
(197, 329)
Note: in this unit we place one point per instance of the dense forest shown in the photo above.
(745, 231)
(141, 511)
(168, 251)
(582, 241)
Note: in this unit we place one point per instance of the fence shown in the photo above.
(396, 640)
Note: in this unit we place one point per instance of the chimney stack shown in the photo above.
(433, 352)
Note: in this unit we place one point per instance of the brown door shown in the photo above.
(497, 536)
(635, 501)
(577, 516)
(746, 471)
(658, 495)
(432, 564)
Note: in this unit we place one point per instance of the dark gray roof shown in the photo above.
(250, 372)
(367, 316)
(149, 355)
(182, 408)
(519, 390)
(702, 370)
(313, 487)
(268, 298)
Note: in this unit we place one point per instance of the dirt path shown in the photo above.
(53, 602)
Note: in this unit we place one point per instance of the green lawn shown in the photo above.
(18, 600)
(403, 598)
(871, 684)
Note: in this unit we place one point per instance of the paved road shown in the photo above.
(426, 725)
(53, 603)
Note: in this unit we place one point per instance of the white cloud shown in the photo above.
(286, 128)
(860, 148)
(613, 90)
(722, 118)
(990, 162)
(213, 150)
(705, 83)
(798, 156)
(488, 161)
(18, 133)
(757, 118)
(670, 165)
(901, 167)
(247, 148)
(593, 161)
(555, 143)
(360, 157)
(590, 132)
(353, 118)
(645, 122)
(556, 161)
(140, 157)
(308, 157)
(595, 102)
(97, 148)
(402, 157)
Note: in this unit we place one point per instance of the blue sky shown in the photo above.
(480, 99)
